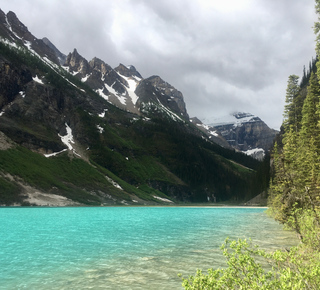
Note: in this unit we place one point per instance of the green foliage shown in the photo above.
(249, 267)
(162, 150)
(307, 74)
(296, 180)
(57, 174)
(9, 192)
(291, 109)
(317, 31)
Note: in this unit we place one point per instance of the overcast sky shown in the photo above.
(223, 55)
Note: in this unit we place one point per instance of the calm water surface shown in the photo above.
(122, 248)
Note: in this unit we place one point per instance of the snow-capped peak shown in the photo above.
(234, 118)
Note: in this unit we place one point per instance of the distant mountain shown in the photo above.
(244, 132)
(86, 133)
(212, 133)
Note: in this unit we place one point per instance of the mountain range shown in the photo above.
(76, 132)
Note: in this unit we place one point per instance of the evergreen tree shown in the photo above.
(296, 182)
(317, 33)
(304, 79)
(310, 118)
(290, 111)
(285, 190)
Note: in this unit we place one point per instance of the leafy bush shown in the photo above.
(252, 268)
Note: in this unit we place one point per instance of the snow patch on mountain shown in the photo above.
(173, 116)
(55, 153)
(132, 82)
(111, 89)
(102, 94)
(36, 79)
(67, 139)
(103, 113)
(257, 153)
(122, 99)
(237, 119)
(115, 184)
(85, 78)
(10, 28)
(162, 199)
(100, 129)
(28, 44)
(22, 94)
(9, 43)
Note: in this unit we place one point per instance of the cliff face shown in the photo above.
(248, 135)
(213, 134)
(29, 99)
(245, 132)
(12, 81)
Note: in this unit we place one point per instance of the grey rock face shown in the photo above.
(245, 132)
(173, 95)
(124, 86)
(12, 28)
(62, 57)
(212, 133)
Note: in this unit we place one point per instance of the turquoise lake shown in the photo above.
(123, 247)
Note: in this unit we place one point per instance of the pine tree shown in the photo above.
(310, 118)
(317, 33)
(304, 79)
(290, 111)
(309, 137)
(285, 190)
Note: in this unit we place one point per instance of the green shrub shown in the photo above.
(249, 267)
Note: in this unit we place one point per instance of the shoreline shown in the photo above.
(128, 206)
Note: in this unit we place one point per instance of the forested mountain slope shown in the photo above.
(64, 142)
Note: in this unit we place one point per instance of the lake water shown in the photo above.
(122, 247)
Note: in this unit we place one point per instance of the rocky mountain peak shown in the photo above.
(134, 71)
(128, 71)
(12, 28)
(18, 27)
(77, 63)
(99, 65)
(244, 131)
(167, 89)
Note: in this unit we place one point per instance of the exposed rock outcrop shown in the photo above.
(212, 133)
(244, 131)
(11, 27)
